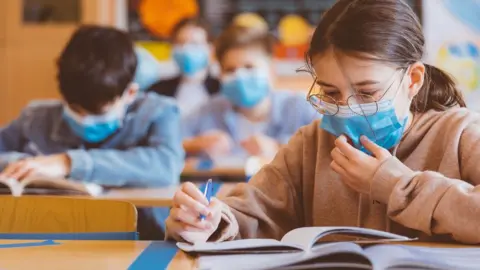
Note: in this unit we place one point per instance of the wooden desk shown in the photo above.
(191, 165)
(151, 197)
(80, 255)
(96, 255)
(142, 197)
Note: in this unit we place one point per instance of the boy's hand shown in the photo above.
(54, 166)
(261, 145)
(215, 142)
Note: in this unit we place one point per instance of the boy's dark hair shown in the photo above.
(241, 37)
(96, 67)
(390, 31)
(192, 21)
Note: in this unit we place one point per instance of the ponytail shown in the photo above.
(438, 92)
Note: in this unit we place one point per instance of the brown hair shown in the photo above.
(191, 21)
(390, 31)
(240, 37)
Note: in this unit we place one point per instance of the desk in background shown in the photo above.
(231, 171)
(75, 255)
(151, 197)
(196, 170)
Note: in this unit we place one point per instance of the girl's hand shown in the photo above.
(184, 223)
(355, 167)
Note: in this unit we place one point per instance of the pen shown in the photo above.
(207, 192)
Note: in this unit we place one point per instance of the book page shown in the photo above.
(306, 237)
(10, 186)
(284, 260)
(57, 185)
(395, 256)
(260, 245)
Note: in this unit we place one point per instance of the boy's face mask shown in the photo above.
(378, 120)
(246, 87)
(95, 128)
(191, 58)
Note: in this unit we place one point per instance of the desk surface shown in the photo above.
(142, 197)
(92, 255)
(191, 169)
(151, 197)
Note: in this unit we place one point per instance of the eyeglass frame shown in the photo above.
(320, 96)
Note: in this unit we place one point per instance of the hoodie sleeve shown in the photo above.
(431, 202)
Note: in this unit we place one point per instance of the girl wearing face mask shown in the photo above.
(191, 51)
(249, 117)
(395, 150)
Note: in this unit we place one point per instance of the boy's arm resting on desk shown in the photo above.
(258, 209)
(12, 138)
(159, 163)
(431, 202)
(12, 142)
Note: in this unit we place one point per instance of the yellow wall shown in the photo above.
(28, 53)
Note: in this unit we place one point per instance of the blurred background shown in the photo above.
(32, 33)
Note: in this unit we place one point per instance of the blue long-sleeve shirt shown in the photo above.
(146, 152)
(289, 111)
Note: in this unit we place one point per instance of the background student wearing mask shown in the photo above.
(103, 131)
(411, 167)
(249, 116)
(191, 41)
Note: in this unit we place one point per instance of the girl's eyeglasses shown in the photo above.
(360, 104)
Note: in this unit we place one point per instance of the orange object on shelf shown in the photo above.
(160, 16)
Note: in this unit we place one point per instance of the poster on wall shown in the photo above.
(452, 33)
(292, 22)
(150, 22)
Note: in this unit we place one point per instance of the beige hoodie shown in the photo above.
(429, 190)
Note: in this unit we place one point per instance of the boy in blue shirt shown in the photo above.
(249, 117)
(103, 131)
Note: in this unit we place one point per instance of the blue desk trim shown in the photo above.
(157, 255)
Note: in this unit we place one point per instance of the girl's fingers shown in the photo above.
(189, 219)
(184, 201)
(192, 191)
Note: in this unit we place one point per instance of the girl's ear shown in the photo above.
(416, 79)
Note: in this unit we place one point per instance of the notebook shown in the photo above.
(300, 249)
(44, 186)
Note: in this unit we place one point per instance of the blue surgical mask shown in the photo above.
(246, 88)
(191, 58)
(383, 127)
(93, 128)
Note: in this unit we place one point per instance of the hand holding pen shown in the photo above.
(195, 215)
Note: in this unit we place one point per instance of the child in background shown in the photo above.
(411, 166)
(148, 69)
(191, 41)
(249, 117)
(103, 131)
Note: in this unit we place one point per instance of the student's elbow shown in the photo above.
(166, 168)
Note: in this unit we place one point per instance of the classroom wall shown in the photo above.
(28, 52)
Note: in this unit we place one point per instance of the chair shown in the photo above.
(34, 217)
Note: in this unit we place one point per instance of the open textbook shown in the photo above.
(300, 249)
(44, 186)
